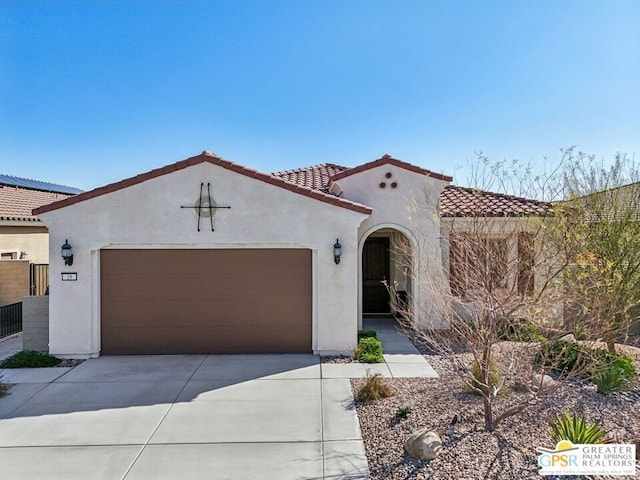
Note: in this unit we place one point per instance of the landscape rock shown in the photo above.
(535, 382)
(544, 381)
(423, 444)
(569, 337)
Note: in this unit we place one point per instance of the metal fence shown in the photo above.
(10, 319)
(39, 279)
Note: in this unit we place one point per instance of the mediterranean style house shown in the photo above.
(208, 256)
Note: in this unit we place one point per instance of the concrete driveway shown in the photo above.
(181, 417)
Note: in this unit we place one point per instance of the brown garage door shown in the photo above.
(205, 301)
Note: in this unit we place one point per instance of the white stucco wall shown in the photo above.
(27, 238)
(411, 208)
(148, 215)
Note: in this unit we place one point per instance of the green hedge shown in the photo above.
(369, 350)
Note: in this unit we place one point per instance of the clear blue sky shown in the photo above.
(95, 91)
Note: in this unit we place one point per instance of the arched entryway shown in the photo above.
(386, 257)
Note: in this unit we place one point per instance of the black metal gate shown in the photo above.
(10, 319)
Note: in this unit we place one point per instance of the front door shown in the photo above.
(375, 269)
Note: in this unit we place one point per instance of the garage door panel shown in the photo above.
(205, 301)
(174, 307)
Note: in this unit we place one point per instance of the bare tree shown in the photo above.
(499, 265)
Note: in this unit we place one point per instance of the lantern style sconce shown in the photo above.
(67, 253)
(337, 251)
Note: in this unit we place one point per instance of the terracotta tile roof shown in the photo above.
(215, 160)
(314, 182)
(17, 203)
(467, 202)
(454, 201)
(316, 177)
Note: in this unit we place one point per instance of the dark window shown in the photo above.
(479, 263)
(525, 263)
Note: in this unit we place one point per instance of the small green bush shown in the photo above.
(367, 333)
(575, 429)
(403, 412)
(30, 359)
(571, 357)
(563, 357)
(606, 360)
(476, 381)
(520, 330)
(369, 350)
(609, 381)
(373, 388)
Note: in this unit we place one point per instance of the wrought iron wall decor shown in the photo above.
(205, 206)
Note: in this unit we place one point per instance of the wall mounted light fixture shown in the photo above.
(67, 253)
(337, 251)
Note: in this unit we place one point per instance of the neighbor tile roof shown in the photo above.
(467, 202)
(17, 203)
(209, 157)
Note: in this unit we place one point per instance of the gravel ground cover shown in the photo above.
(443, 405)
(338, 359)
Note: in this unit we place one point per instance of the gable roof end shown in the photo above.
(208, 157)
(389, 160)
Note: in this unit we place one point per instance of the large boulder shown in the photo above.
(423, 444)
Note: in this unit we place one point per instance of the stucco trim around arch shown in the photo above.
(415, 253)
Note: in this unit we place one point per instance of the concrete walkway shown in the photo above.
(10, 345)
(192, 416)
(401, 358)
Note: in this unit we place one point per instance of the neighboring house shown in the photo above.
(23, 237)
(208, 256)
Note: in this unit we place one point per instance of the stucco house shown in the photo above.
(208, 256)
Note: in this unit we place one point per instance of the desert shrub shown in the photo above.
(367, 333)
(583, 361)
(609, 381)
(561, 356)
(369, 350)
(576, 429)
(30, 359)
(520, 330)
(403, 412)
(476, 377)
(606, 360)
(374, 388)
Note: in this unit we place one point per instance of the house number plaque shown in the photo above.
(205, 207)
